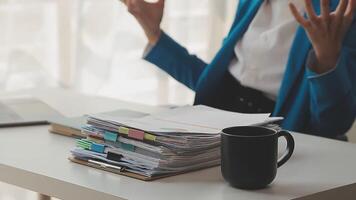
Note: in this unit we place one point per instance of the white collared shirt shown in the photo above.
(263, 51)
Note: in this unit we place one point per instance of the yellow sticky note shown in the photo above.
(150, 137)
(123, 130)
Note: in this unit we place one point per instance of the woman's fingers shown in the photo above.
(341, 8)
(300, 19)
(143, 1)
(310, 11)
(325, 10)
(348, 14)
(340, 11)
(136, 7)
(350, 10)
(160, 1)
(149, 15)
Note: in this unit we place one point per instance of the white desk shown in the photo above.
(32, 158)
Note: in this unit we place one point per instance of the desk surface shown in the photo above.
(32, 158)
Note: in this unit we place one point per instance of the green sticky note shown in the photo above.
(83, 145)
(127, 147)
(83, 142)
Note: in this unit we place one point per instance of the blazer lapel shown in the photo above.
(214, 72)
(295, 66)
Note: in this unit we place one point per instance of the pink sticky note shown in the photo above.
(136, 134)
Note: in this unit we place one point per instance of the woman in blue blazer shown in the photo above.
(317, 93)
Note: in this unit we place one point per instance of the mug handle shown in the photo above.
(290, 147)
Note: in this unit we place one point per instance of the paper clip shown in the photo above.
(105, 165)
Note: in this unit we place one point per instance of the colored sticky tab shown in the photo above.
(85, 144)
(99, 148)
(114, 156)
(136, 134)
(109, 136)
(123, 130)
(95, 139)
(127, 147)
(150, 137)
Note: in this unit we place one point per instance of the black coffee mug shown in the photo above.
(249, 155)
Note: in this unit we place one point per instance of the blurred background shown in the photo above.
(95, 47)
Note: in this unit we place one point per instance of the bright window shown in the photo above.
(96, 46)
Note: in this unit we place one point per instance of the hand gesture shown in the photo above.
(327, 31)
(149, 15)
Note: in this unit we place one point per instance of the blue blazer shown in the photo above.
(322, 105)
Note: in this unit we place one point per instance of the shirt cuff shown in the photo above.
(312, 60)
(329, 87)
(162, 52)
(147, 50)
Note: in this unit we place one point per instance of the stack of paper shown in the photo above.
(171, 142)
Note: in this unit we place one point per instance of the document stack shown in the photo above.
(158, 145)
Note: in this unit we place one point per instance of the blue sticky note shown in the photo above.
(99, 148)
(110, 136)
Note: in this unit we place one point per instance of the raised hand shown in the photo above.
(149, 15)
(327, 31)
